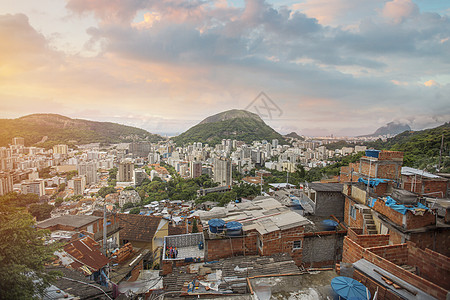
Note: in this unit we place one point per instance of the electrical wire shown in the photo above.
(85, 283)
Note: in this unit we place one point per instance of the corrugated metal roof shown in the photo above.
(407, 171)
(86, 252)
(75, 221)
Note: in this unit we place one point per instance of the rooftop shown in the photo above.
(75, 221)
(264, 215)
(326, 187)
(138, 227)
(407, 171)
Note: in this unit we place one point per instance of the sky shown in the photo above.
(316, 67)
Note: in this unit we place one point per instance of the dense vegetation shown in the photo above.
(242, 129)
(23, 252)
(421, 147)
(47, 130)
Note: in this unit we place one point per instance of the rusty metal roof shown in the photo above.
(86, 253)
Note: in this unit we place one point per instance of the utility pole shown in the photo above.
(105, 229)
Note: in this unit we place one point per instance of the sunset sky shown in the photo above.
(342, 67)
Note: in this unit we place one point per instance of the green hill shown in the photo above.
(233, 124)
(46, 130)
(421, 147)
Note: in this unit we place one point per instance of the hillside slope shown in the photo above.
(233, 124)
(46, 130)
(421, 147)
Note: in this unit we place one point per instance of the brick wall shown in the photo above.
(430, 186)
(222, 248)
(391, 214)
(389, 170)
(398, 254)
(358, 222)
(367, 240)
(390, 155)
(437, 240)
(430, 265)
(365, 166)
(354, 252)
(417, 221)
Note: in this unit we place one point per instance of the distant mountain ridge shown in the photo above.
(61, 129)
(421, 147)
(391, 128)
(232, 124)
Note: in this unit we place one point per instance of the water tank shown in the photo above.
(216, 225)
(373, 153)
(329, 225)
(233, 228)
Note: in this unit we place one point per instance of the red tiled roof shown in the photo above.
(137, 227)
(87, 252)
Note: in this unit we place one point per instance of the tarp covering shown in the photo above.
(216, 223)
(373, 181)
(348, 288)
(402, 208)
(233, 225)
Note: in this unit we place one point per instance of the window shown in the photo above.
(297, 245)
(352, 212)
(260, 243)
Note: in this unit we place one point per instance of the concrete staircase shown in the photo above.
(369, 223)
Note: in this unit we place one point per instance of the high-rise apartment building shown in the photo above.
(35, 187)
(79, 184)
(223, 171)
(140, 149)
(125, 172)
(6, 183)
(195, 168)
(60, 149)
(88, 169)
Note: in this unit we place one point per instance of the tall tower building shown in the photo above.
(195, 169)
(60, 149)
(6, 183)
(222, 171)
(88, 169)
(79, 184)
(126, 172)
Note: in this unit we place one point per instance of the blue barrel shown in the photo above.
(329, 225)
(216, 225)
(373, 153)
(233, 228)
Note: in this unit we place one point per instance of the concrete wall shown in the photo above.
(322, 251)
(330, 203)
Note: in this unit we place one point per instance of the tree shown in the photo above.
(40, 211)
(135, 211)
(106, 190)
(194, 226)
(23, 253)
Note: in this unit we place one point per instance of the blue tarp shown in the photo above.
(373, 181)
(400, 207)
(372, 201)
(233, 225)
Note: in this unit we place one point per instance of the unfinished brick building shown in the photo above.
(399, 271)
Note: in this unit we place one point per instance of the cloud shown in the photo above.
(398, 10)
(431, 82)
(23, 48)
(175, 62)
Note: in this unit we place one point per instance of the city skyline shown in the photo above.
(332, 67)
